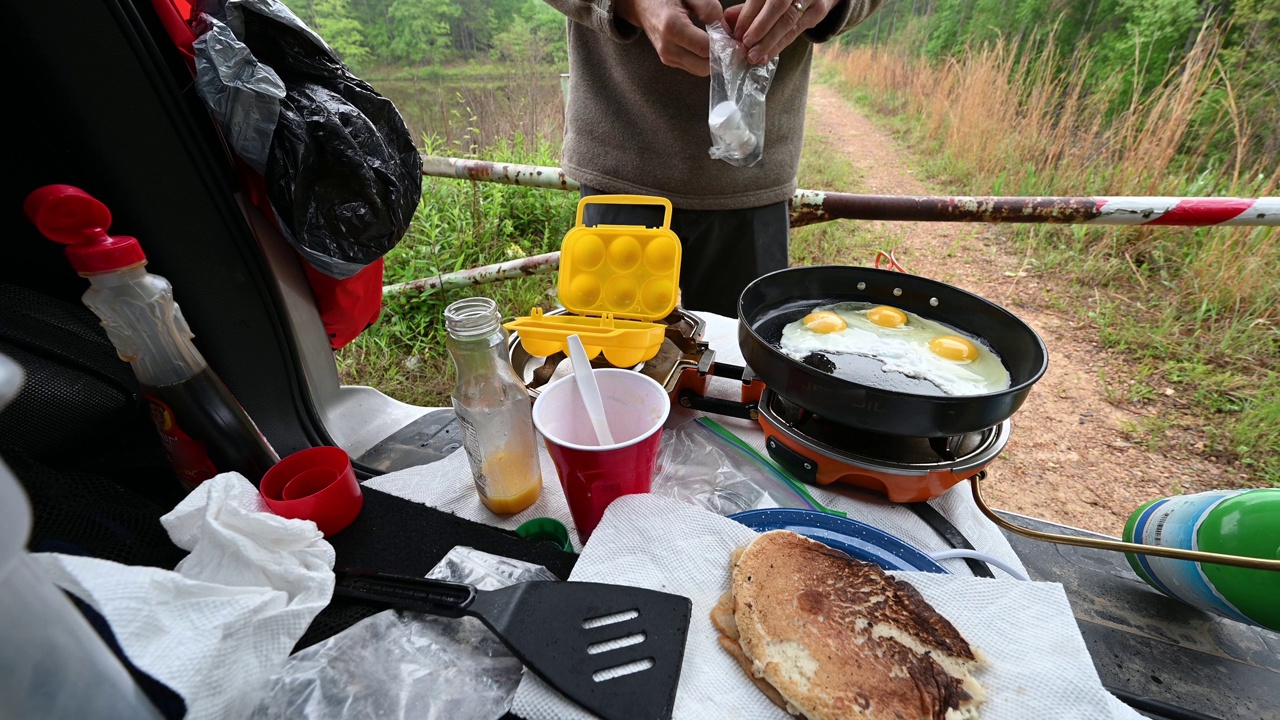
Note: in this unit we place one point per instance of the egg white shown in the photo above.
(902, 349)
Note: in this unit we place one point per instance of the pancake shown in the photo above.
(837, 638)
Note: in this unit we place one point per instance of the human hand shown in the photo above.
(669, 26)
(767, 27)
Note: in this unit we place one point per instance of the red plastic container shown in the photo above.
(591, 475)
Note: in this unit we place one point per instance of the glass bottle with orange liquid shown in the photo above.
(493, 408)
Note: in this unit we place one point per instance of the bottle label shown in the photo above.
(471, 444)
(1174, 522)
(187, 455)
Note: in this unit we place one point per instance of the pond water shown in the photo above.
(471, 114)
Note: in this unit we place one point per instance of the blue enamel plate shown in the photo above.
(858, 540)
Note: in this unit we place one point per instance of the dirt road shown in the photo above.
(1069, 458)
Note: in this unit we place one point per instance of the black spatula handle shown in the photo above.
(436, 597)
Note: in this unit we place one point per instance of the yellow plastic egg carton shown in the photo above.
(615, 280)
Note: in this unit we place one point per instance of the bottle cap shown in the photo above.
(71, 216)
(725, 118)
(316, 484)
(545, 529)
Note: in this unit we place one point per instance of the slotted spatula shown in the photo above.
(613, 649)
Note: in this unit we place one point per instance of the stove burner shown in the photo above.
(876, 447)
(682, 347)
(906, 469)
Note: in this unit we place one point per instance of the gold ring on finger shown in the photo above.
(799, 6)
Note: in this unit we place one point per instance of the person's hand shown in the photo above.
(669, 26)
(767, 27)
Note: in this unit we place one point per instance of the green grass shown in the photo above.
(458, 225)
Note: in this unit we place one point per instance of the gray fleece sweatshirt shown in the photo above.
(635, 125)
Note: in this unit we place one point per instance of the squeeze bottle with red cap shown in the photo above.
(204, 429)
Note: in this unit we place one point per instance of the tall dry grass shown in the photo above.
(1005, 123)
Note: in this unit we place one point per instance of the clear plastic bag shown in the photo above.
(738, 89)
(700, 466)
(398, 665)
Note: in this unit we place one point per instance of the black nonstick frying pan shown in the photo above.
(858, 393)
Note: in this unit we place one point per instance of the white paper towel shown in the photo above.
(447, 485)
(1039, 666)
(214, 629)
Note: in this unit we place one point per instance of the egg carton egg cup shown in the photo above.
(615, 280)
(625, 343)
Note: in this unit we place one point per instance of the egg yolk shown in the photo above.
(824, 322)
(885, 316)
(954, 348)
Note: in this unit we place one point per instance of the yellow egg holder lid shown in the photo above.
(615, 279)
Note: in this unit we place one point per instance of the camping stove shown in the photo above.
(811, 448)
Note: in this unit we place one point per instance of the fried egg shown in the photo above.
(956, 363)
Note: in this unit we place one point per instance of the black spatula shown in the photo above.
(614, 650)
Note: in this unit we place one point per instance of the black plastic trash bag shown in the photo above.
(342, 171)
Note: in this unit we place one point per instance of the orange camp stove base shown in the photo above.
(821, 452)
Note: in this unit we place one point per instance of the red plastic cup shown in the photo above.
(316, 484)
(593, 475)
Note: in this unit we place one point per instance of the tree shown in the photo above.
(1153, 32)
(421, 30)
(536, 34)
(332, 20)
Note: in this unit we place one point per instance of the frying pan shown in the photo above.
(860, 394)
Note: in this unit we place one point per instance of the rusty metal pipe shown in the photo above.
(533, 265)
(813, 206)
(551, 178)
(808, 207)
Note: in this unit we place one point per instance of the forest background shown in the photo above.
(1005, 97)
(1132, 43)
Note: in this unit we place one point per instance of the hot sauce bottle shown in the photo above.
(204, 429)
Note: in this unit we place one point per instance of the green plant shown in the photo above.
(1141, 392)
(1151, 431)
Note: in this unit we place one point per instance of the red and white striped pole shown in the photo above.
(808, 207)
(1195, 212)
(813, 206)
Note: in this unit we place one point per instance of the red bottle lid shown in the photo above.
(71, 216)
